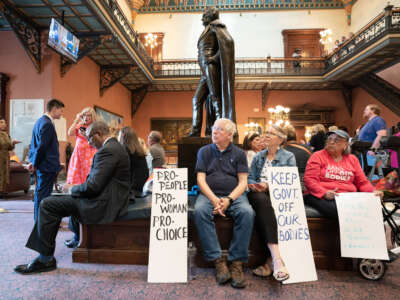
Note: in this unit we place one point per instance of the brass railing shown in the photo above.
(246, 66)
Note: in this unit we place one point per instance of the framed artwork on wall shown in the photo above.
(115, 121)
(172, 131)
(259, 121)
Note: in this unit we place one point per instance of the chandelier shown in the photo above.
(279, 115)
(252, 127)
(326, 37)
(151, 41)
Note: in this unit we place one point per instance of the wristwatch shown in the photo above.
(230, 199)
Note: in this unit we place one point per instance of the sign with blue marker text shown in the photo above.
(169, 230)
(362, 232)
(293, 234)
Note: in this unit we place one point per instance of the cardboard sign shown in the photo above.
(169, 230)
(293, 235)
(362, 233)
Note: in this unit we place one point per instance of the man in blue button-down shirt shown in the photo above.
(222, 178)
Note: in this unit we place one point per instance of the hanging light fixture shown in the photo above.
(151, 41)
(326, 39)
(279, 115)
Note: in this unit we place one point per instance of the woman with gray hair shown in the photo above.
(273, 156)
(333, 170)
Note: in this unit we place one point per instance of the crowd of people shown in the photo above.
(105, 172)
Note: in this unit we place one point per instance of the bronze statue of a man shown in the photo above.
(216, 89)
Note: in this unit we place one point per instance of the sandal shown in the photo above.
(282, 273)
(262, 271)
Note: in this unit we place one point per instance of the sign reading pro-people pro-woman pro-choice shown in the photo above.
(293, 235)
(169, 230)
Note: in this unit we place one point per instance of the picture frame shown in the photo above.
(113, 120)
(259, 121)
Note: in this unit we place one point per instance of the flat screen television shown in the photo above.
(63, 41)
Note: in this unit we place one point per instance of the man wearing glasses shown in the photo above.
(222, 178)
(101, 199)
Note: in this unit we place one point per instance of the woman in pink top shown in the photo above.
(333, 170)
(81, 159)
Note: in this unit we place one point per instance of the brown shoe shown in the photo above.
(223, 275)
(238, 281)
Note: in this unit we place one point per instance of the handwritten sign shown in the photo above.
(293, 235)
(169, 231)
(362, 233)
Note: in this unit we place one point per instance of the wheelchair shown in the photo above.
(374, 269)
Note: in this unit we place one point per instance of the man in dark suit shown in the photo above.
(44, 156)
(101, 199)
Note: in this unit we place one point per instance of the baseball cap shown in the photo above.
(341, 133)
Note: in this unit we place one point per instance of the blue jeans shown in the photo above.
(243, 216)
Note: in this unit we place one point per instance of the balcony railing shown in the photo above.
(132, 36)
(246, 66)
(386, 22)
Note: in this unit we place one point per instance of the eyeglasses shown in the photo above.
(216, 128)
(334, 140)
(271, 133)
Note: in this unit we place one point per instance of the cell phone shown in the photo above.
(82, 128)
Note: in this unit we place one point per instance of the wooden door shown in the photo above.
(305, 39)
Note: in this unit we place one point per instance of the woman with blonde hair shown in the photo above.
(273, 156)
(81, 159)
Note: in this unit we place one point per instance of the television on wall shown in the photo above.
(63, 41)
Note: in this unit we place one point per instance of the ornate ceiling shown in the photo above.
(180, 6)
(151, 6)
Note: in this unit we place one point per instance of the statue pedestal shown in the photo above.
(187, 155)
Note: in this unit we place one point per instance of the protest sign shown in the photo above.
(362, 233)
(293, 235)
(169, 230)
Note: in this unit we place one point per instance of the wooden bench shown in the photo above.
(126, 241)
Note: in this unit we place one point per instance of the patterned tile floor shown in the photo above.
(97, 281)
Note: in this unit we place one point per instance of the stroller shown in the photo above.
(374, 269)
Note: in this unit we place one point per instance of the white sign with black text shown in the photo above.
(362, 233)
(293, 235)
(169, 230)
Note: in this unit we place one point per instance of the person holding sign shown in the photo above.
(273, 156)
(333, 170)
(222, 178)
